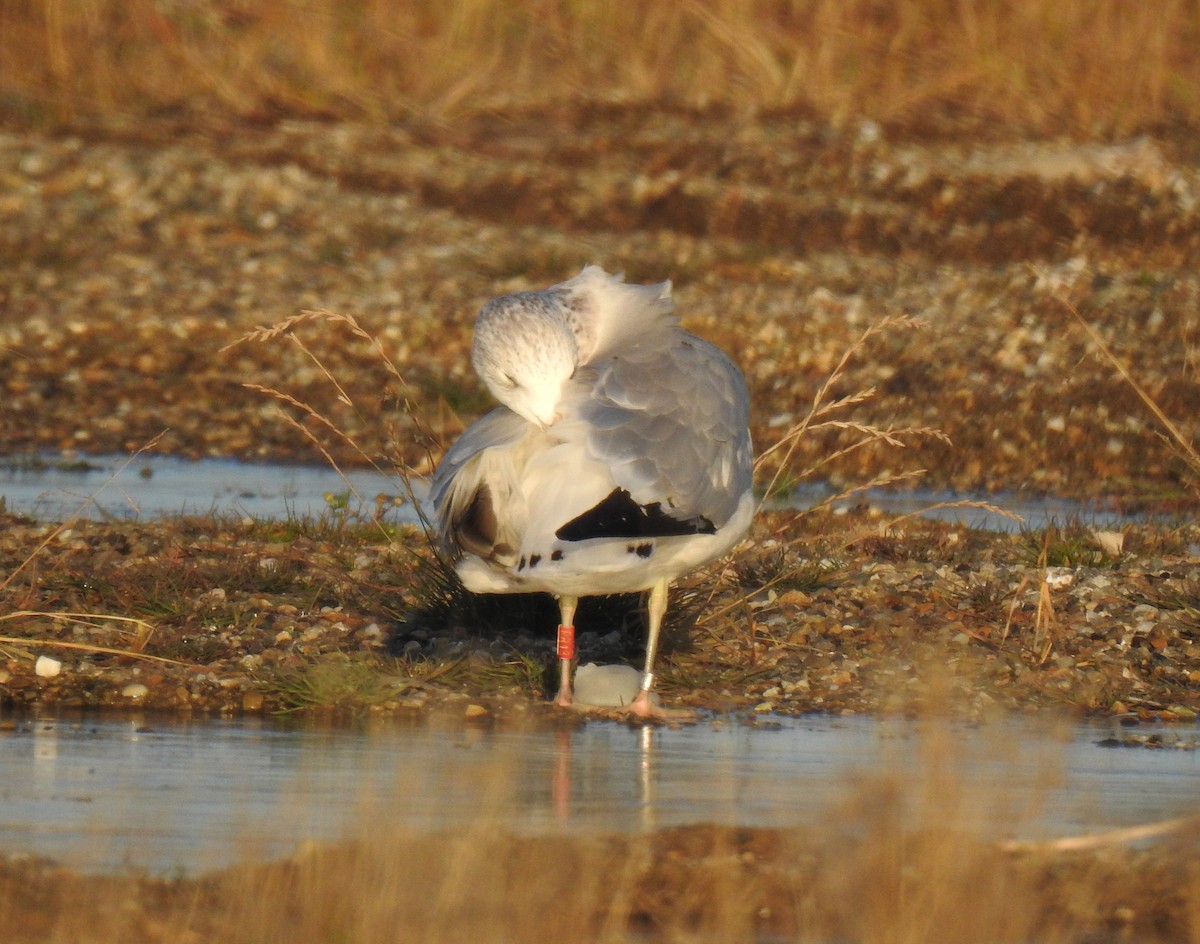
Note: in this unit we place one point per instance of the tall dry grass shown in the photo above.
(1088, 66)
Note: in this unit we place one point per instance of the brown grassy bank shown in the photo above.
(1103, 67)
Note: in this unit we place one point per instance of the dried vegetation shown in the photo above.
(1038, 66)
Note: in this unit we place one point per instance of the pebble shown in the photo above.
(1059, 577)
(252, 701)
(47, 667)
(1111, 543)
(135, 691)
(606, 686)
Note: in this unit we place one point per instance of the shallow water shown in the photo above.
(156, 486)
(164, 794)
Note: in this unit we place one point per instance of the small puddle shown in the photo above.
(981, 511)
(163, 794)
(55, 489)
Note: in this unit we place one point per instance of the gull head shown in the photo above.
(525, 352)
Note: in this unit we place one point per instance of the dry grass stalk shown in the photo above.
(140, 629)
(1180, 441)
(70, 520)
(822, 416)
(1012, 608)
(286, 328)
(1178, 826)
(80, 646)
(439, 595)
(1044, 623)
(822, 409)
(964, 503)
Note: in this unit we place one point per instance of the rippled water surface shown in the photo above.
(165, 794)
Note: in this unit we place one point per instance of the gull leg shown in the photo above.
(566, 648)
(642, 704)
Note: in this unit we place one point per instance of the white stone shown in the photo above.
(1058, 577)
(606, 686)
(46, 667)
(1111, 543)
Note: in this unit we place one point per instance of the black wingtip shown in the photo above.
(619, 516)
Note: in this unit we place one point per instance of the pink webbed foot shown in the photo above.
(646, 707)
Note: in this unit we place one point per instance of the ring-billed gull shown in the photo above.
(618, 460)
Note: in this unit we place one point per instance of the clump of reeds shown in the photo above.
(1181, 443)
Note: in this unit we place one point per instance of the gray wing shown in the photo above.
(500, 427)
(672, 421)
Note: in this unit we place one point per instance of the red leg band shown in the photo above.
(566, 642)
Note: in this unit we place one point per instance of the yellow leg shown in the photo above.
(566, 648)
(656, 606)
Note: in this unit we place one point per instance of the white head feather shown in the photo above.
(529, 344)
(525, 352)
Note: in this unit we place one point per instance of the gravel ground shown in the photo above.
(131, 260)
(846, 613)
